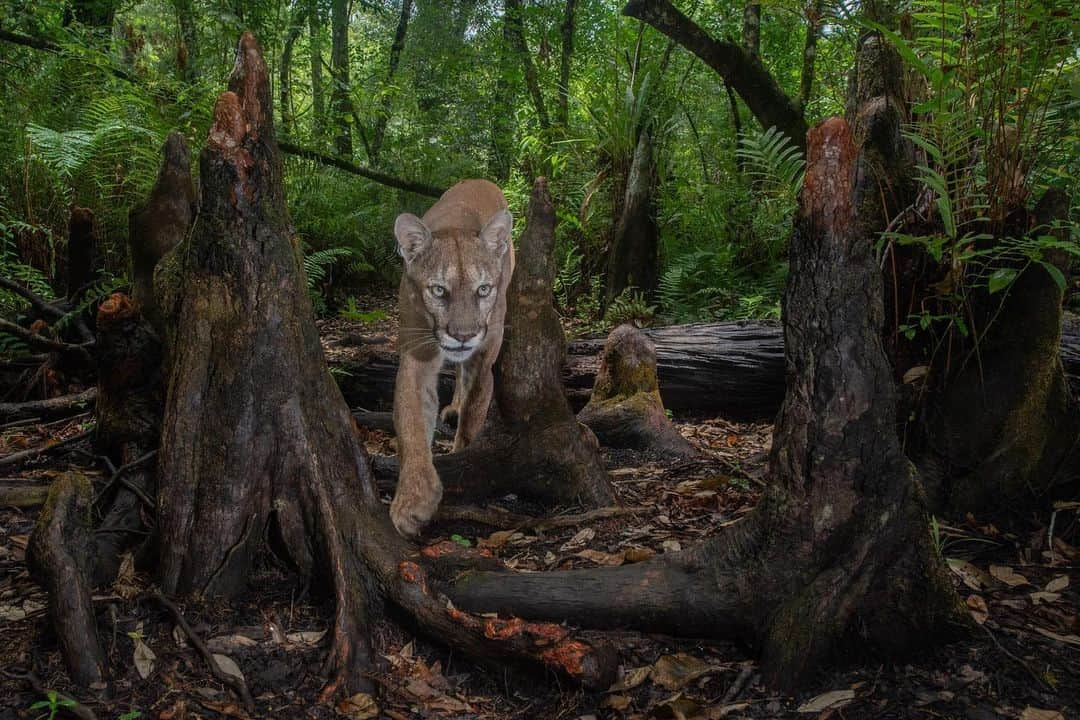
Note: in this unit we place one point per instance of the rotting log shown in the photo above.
(625, 409)
(728, 369)
(23, 494)
(530, 444)
(837, 558)
(59, 555)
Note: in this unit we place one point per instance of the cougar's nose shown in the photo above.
(462, 336)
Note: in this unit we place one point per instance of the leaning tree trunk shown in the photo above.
(531, 444)
(838, 554)
(632, 261)
(257, 439)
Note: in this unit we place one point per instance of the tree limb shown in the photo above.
(745, 73)
(49, 406)
(40, 341)
(381, 178)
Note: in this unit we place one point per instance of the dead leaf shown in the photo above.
(144, 658)
(1039, 598)
(125, 585)
(1005, 574)
(631, 679)
(602, 558)
(831, 700)
(306, 637)
(616, 702)
(228, 666)
(671, 546)
(919, 371)
(1057, 584)
(226, 708)
(977, 607)
(11, 613)
(360, 706)
(497, 539)
(229, 643)
(636, 554)
(724, 710)
(583, 536)
(1031, 713)
(675, 672)
(970, 575)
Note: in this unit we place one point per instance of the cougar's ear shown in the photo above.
(413, 237)
(496, 234)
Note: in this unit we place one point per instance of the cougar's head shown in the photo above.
(458, 275)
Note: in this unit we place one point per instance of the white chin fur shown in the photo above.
(457, 355)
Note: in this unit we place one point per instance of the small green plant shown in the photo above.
(130, 715)
(52, 704)
(937, 537)
(352, 312)
(630, 306)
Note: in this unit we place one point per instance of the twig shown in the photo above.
(75, 707)
(117, 472)
(36, 301)
(49, 406)
(19, 457)
(44, 343)
(1017, 660)
(235, 683)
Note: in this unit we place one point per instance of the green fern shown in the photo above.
(773, 161)
(317, 265)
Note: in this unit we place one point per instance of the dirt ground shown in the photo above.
(1020, 581)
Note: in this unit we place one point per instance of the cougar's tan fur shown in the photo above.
(452, 301)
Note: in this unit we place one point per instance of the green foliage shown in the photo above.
(352, 312)
(995, 127)
(773, 162)
(52, 704)
(630, 306)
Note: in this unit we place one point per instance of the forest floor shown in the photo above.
(1020, 581)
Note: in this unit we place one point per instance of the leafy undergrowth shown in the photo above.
(1021, 583)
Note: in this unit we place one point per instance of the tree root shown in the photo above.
(236, 684)
(50, 407)
(58, 555)
(22, 456)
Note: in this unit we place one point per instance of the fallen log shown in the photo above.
(730, 369)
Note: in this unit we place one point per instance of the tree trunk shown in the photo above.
(735, 64)
(1027, 440)
(625, 410)
(813, 29)
(515, 26)
(751, 29)
(565, 60)
(82, 255)
(632, 262)
(340, 104)
(187, 53)
(318, 97)
(257, 440)
(387, 98)
(296, 26)
(158, 225)
(837, 557)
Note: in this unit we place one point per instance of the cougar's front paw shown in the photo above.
(418, 494)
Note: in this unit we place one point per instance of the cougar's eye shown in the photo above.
(484, 290)
(437, 290)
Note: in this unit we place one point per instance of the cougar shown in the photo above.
(452, 300)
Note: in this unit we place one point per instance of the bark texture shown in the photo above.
(836, 561)
(625, 410)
